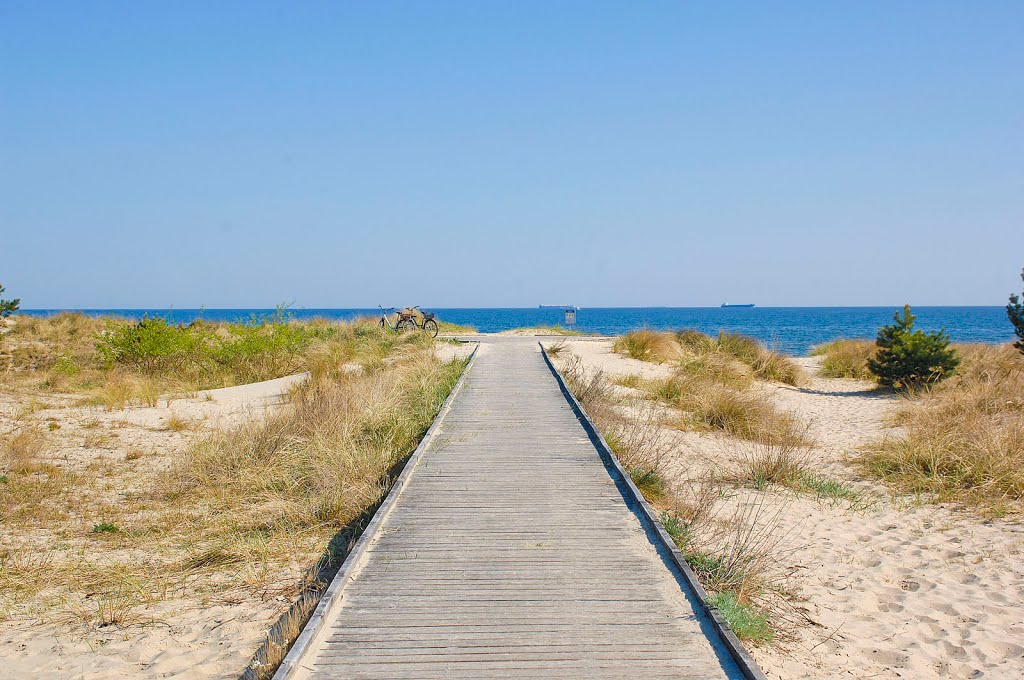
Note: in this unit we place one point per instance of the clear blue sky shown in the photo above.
(240, 154)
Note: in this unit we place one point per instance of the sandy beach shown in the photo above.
(879, 586)
(887, 586)
(190, 634)
(204, 625)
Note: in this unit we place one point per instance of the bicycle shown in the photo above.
(403, 320)
(429, 324)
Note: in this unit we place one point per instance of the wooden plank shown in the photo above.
(510, 552)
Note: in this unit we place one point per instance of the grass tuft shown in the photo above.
(845, 358)
(648, 345)
(707, 404)
(20, 450)
(962, 440)
(732, 357)
(176, 423)
(750, 623)
(245, 508)
(556, 349)
(738, 557)
(118, 362)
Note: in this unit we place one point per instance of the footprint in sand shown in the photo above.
(889, 658)
(1007, 650)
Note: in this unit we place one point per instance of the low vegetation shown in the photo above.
(736, 555)
(116, 362)
(845, 359)
(750, 623)
(7, 307)
(648, 345)
(110, 532)
(1014, 311)
(712, 382)
(730, 354)
(449, 328)
(962, 440)
(326, 458)
(908, 359)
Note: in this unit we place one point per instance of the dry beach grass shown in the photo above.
(164, 540)
(711, 381)
(962, 440)
(834, 574)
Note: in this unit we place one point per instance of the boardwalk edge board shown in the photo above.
(316, 621)
(746, 663)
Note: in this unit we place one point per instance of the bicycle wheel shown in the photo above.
(383, 324)
(430, 328)
(407, 325)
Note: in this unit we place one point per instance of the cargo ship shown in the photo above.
(726, 305)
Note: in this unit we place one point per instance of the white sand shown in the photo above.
(894, 589)
(196, 632)
(189, 635)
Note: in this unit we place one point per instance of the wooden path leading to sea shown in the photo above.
(508, 550)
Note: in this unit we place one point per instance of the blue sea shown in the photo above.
(793, 330)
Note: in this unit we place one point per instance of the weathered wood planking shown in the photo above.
(510, 552)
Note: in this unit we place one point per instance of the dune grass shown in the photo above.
(736, 557)
(707, 403)
(712, 380)
(730, 354)
(327, 456)
(232, 513)
(711, 383)
(845, 358)
(648, 345)
(114, 362)
(747, 621)
(449, 328)
(961, 440)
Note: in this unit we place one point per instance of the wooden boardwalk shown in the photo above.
(510, 552)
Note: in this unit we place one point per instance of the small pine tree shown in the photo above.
(8, 307)
(1015, 310)
(907, 358)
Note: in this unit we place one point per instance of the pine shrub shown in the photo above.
(908, 358)
(8, 307)
(1014, 310)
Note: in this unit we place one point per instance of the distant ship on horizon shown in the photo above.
(557, 307)
(726, 305)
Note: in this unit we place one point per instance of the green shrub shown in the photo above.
(259, 348)
(1014, 310)
(8, 307)
(65, 365)
(906, 358)
(150, 342)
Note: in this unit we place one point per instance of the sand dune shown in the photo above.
(889, 587)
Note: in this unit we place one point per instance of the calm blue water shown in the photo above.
(789, 329)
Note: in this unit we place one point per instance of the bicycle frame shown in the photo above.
(408, 317)
(386, 322)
